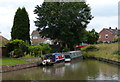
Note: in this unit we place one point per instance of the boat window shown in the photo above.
(67, 56)
(56, 57)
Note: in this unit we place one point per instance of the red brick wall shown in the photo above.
(102, 36)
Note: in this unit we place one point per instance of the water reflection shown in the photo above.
(76, 70)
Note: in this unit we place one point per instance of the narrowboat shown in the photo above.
(52, 59)
(72, 55)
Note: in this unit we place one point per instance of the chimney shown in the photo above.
(109, 27)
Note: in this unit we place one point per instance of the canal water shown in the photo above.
(76, 70)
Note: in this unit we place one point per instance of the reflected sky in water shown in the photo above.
(75, 70)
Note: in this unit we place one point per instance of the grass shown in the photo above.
(105, 51)
(11, 61)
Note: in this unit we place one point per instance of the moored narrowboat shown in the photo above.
(72, 55)
(52, 59)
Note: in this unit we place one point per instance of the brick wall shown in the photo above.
(102, 36)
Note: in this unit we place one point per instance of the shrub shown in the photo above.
(16, 48)
(37, 50)
(89, 48)
(45, 48)
(28, 56)
(99, 42)
(117, 39)
(117, 52)
(66, 49)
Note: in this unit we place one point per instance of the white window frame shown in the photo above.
(35, 37)
(106, 36)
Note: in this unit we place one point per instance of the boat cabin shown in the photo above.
(71, 55)
(55, 57)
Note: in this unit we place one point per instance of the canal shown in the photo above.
(76, 70)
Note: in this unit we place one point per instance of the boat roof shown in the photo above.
(56, 53)
(73, 51)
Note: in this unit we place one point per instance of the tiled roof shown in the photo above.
(3, 38)
(38, 40)
(34, 33)
(113, 31)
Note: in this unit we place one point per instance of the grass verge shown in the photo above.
(105, 51)
(11, 61)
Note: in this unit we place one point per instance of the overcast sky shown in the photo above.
(105, 14)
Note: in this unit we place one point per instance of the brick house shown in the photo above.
(108, 35)
(37, 39)
(3, 40)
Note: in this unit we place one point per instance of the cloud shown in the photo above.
(9, 7)
(100, 22)
(104, 12)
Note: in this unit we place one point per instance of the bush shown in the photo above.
(117, 52)
(45, 48)
(66, 49)
(89, 48)
(37, 50)
(16, 48)
(28, 56)
(117, 39)
(99, 42)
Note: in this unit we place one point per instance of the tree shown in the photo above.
(65, 22)
(21, 26)
(92, 37)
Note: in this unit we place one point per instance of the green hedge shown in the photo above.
(37, 50)
(16, 48)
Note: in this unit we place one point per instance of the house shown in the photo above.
(3, 50)
(37, 39)
(108, 35)
(3, 40)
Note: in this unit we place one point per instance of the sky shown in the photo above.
(105, 14)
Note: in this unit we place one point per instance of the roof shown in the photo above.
(3, 38)
(35, 32)
(112, 31)
(39, 40)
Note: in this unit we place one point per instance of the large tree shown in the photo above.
(21, 26)
(92, 37)
(65, 22)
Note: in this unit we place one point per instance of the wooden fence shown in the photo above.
(3, 51)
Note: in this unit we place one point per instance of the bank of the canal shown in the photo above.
(108, 53)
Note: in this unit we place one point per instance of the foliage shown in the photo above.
(117, 39)
(64, 22)
(90, 48)
(28, 56)
(105, 51)
(45, 48)
(21, 26)
(92, 37)
(99, 42)
(37, 50)
(16, 48)
(117, 52)
(66, 49)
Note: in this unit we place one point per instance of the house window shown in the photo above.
(106, 36)
(35, 37)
